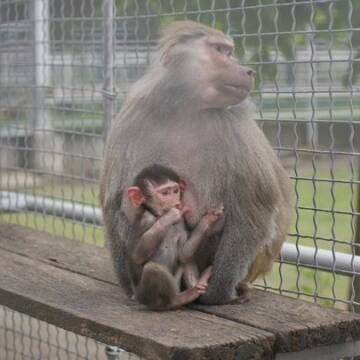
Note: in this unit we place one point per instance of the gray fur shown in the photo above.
(222, 155)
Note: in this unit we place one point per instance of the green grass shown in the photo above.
(311, 225)
(82, 117)
(84, 193)
(16, 118)
(333, 201)
(70, 229)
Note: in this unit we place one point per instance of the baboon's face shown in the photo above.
(217, 79)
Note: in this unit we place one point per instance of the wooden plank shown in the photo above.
(297, 324)
(101, 311)
(93, 261)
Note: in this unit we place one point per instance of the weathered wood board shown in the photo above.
(72, 285)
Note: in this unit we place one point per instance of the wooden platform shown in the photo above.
(71, 285)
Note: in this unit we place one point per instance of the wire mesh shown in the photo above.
(23, 337)
(55, 73)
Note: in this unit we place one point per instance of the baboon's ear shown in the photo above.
(135, 196)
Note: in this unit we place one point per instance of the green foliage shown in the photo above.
(262, 26)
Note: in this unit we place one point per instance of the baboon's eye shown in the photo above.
(223, 49)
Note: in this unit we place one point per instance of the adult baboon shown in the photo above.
(189, 112)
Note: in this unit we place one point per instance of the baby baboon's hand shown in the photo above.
(215, 214)
(209, 221)
(173, 216)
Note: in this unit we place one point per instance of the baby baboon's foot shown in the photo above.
(205, 276)
(203, 281)
(201, 288)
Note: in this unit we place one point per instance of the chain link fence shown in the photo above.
(65, 67)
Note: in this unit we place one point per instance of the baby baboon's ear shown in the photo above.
(135, 196)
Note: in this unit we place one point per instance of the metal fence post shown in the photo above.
(108, 90)
(112, 352)
(41, 121)
(355, 289)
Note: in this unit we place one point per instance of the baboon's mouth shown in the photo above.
(237, 87)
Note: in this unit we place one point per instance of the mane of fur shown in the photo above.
(157, 76)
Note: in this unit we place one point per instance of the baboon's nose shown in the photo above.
(251, 73)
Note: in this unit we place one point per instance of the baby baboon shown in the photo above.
(160, 254)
